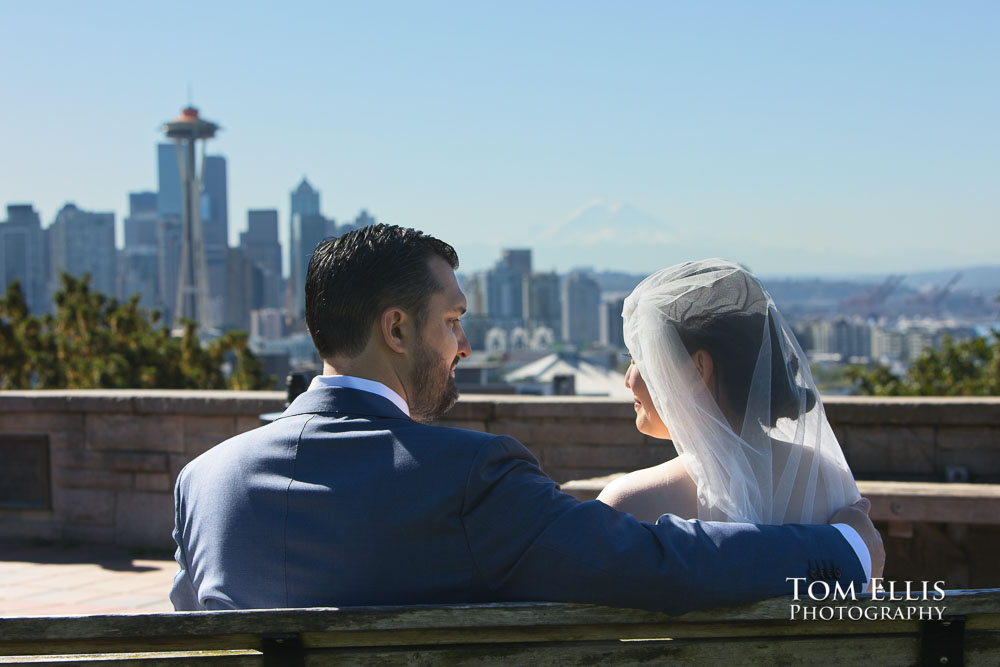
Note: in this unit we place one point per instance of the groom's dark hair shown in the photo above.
(353, 278)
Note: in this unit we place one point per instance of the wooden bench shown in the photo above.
(871, 632)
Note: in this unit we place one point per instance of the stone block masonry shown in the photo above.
(114, 455)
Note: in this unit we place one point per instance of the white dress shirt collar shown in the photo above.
(351, 382)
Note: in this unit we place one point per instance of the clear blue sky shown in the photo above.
(798, 137)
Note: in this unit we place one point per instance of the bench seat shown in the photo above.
(524, 633)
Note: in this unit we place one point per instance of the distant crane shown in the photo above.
(873, 297)
(932, 298)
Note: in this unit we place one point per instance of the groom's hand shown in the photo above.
(856, 516)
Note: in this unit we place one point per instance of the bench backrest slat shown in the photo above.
(434, 628)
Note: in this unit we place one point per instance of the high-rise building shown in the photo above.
(267, 323)
(215, 222)
(168, 256)
(213, 205)
(506, 287)
(244, 283)
(83, 242)
(581, 299)
(305, 201)
(139, 270)
(544, 302)
(474, 287)
(518, 259)
(505, 296)
(22, 255)
(310, 229)
(169, 200)
(302, 233)
(259, 243)
(215, 201)
(363, 219)
(849, 338)
(612, 334)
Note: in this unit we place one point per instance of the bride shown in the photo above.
(717, 370)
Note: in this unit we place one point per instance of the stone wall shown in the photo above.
(883, 438)
(113, 456)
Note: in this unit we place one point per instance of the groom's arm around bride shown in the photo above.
(351, 498)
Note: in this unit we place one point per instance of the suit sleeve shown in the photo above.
(183, 594)
(529, 541)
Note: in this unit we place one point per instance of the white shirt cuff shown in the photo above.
(859, 547)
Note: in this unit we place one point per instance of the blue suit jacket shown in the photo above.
(345, 501)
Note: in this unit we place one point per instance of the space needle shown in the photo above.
(192, 279)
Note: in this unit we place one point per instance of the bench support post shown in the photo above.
(283, 650)
(941, 643)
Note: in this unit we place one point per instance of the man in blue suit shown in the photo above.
(351, 498)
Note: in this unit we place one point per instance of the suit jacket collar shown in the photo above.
(345, 401)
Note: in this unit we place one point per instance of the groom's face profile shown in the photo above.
(442, 343)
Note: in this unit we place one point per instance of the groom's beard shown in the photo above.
(434, 389)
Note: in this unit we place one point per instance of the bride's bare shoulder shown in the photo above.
(648, 493)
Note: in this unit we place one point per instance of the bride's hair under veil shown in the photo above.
(755, 438)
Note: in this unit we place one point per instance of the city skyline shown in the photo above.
(800, 140)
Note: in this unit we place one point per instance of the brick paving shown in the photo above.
(59, 580)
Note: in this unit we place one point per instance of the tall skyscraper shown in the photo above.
(168, 257)
(22, 255)
(215, 201)
(259, 243)
(611, 322)
(544, 302)
(139, 271)
(581, 299)
(506, 286)
(83, 242)
(307, 227)
(215, 220)
(243, 289)
(305, 201)
(518, 259)
(310, 229)
(169, 200)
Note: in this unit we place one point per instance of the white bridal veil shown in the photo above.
(756, 442)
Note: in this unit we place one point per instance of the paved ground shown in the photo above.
(55, 580)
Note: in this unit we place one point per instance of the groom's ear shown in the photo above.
(397, 330)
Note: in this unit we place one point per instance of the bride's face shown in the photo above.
(647, 421)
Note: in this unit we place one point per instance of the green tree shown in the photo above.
(95, 342)
(963, 368)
